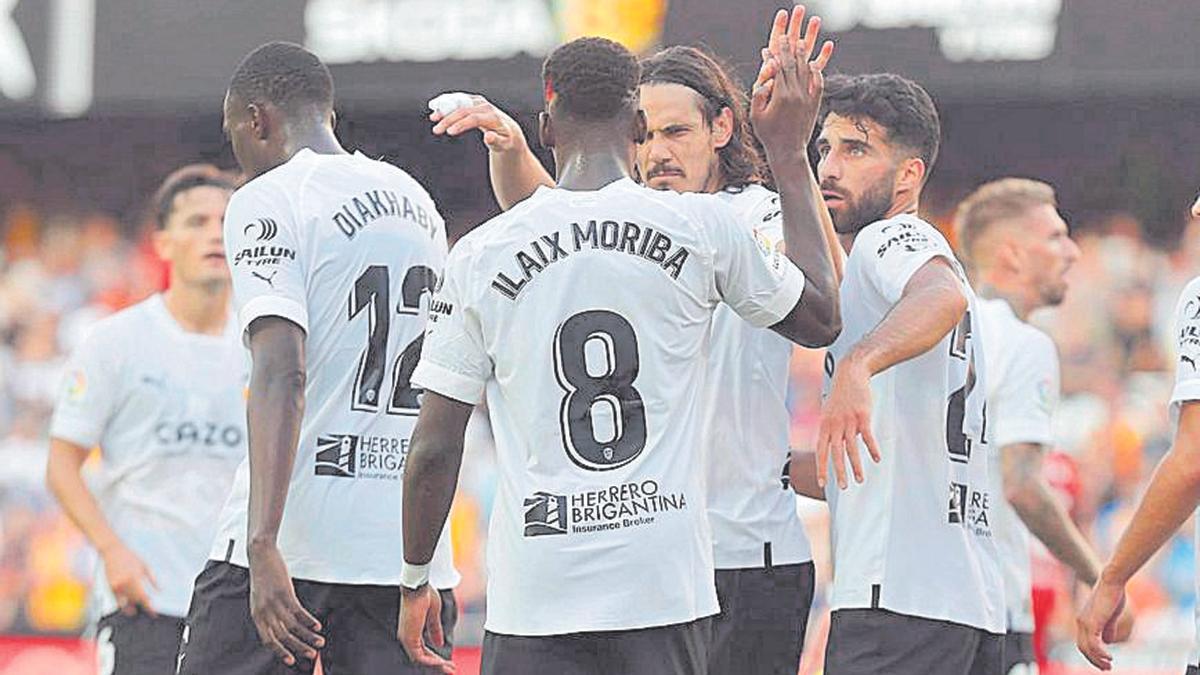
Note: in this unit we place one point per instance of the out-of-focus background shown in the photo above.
(99, 100)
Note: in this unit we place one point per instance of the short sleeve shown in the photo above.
(753, 276)
(1027, 395)
(262, 247)
(89, 393)
(1187, 344)
(766, 219)
(454, 362)
(898, 248)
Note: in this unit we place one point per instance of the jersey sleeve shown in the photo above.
(454, 362)
(899, 248)
(1027, 395)
(752, 275)
(262, 247)
(89, 393)
(1187, 344)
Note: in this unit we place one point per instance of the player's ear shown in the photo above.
(161, 242)
(260, 122)
(545, 130)
(722, 128)
(910, 176)
(641, 127)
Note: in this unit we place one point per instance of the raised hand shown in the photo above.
(501, 133)
(787, 94)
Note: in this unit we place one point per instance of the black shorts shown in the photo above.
(679, 649)
(871, 641)
(1019, 657)
(137, 645)
(358, 623)
(764, 613)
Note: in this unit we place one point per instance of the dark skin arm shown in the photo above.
(802, 474)
(784, 111)
(274, 412)
(430, 479)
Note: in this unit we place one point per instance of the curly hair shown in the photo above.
(592, 78)
(740, 160)
(285, 75)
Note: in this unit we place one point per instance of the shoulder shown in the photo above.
(904, 232)
(117, 331)
(397, 175)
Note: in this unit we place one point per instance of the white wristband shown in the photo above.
(414, 576)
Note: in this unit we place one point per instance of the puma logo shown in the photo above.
(270, 280)
(1188, 360)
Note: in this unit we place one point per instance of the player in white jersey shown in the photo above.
(593, 363)
(158, 387)
(1018, 250)
(1170, 499)
(699, 140)
(916, 588)
(333, 258)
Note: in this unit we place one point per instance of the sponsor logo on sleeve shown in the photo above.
(903, 236)
(617, 507)
(76, 386)
(361, 457)
(1189, 334)
(263, 229)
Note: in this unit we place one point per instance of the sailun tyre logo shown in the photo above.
(336, 455)
(265, 227)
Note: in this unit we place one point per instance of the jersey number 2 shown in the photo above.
(599, 389)
(371, 291)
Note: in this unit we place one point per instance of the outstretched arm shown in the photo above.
(514, 170)
(1171, 497)
(931, 305)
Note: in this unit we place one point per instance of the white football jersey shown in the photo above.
(166, 407)
(585, 316)
(751, 509)
(1022, 394)
(1187, 390)
(349, 249)
(916, 537)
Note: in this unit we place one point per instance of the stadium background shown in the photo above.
(99, 100)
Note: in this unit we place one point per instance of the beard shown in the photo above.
(1052, 294)
(858, 212)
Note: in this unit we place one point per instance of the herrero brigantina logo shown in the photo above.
(612, 508)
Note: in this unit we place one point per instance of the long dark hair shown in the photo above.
(741, 162)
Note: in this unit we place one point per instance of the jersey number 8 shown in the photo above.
(602, 415)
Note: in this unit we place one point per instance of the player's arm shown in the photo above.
(125, 572)
(1171, 497)
(931, 305)
(784, 109)
(1026, 489)
(802, 474)
(274, 411)
(514, 170)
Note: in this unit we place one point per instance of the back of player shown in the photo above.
(346, 249)
(584, 314)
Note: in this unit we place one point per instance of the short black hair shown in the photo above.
(286, 75)
(740, 160)
(592, 78)
(183, 179)
(893, 102)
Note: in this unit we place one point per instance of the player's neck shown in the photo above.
(1022, 303)
(319, 139)
(592, 160)
(909, 205)
(198, 308)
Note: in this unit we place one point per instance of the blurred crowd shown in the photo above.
(59, 274)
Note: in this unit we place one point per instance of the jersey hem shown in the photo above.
(265, 305)
(442, 380)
